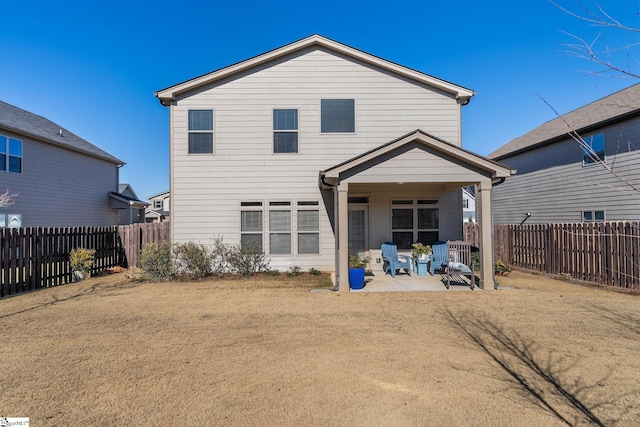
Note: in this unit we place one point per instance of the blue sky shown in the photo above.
(93, 67)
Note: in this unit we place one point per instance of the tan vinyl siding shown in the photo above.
(60, 187)
(207, 189)
(554, 186)
(416, 165)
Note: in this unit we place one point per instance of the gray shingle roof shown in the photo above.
(29, 124)
(617, 106)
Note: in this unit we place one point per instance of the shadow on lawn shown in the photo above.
(627, 321)
(96, 289)
(543, 376)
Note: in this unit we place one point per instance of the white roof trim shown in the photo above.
(169, 94)
(497, 170)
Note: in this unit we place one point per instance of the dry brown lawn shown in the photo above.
(107, 351)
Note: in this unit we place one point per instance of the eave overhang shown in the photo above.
(170, 94)
(330, 177)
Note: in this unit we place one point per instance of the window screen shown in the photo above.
(337, 115)
(280, 232)
(285, 131)
(200, 131)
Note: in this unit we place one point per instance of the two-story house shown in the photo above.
(580, 167)
(159, 207)
(316, 150)
(60, 179)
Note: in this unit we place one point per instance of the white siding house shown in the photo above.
(61, 179)
(559, 180)
(468, 204)
(315, 150)
(159, 207)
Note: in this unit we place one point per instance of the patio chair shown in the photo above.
(439, 256)
(460, 263)
(393, 261)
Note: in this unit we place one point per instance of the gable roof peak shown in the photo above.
(168, 95)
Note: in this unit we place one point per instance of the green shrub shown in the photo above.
(81, 260)
(246, 259)
(314, 272)
(270, 272)
(294, 271)
(501, 268)
(193, 259)
(155, 261)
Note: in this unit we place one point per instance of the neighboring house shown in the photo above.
(131, 210)
(159, 207)
(469, 204)
(61, 179)
(315, 150)
(561, 181)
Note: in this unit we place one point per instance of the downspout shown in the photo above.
(500, 181)
(336, 286)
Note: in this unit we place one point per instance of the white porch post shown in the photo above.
(486, 236)
(342, 238)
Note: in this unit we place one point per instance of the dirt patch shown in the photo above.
(107, 351)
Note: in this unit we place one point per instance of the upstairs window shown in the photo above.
(337, 115)
(200, 131)
(594, 149)
(10, 154)
(285, 131)
(157, 204)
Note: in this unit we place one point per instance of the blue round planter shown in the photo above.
(356, 278)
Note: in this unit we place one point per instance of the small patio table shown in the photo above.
(420, 266)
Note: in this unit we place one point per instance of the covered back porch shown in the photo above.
(407, 191)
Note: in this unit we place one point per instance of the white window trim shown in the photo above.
(273, 131)
(260, 209)
(414, 206)
(307, 208)
(212, 131)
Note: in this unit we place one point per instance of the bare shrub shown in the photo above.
(193, 259)
(156, 262)
(246, 259)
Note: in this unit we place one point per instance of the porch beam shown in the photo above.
(342, 237)
(487, 282)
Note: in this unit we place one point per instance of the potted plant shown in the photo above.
(81, 260)
(420, 251)
(501, 269)
(357, 264)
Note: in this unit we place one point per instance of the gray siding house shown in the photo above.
(582, 166)
(316, 150)
(61, 179)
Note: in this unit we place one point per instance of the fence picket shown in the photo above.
(607, 253)
(38, 257)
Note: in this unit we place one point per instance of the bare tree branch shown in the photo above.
(625, 63)
(6, 199)
(597, 19)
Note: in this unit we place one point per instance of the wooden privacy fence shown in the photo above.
(600, 252)
(35, 258)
